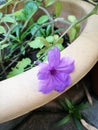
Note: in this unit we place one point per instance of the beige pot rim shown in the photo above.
(19, 94)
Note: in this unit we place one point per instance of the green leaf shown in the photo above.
(57, 40)
(49, 2)
(48, 30)
(42, 51)
(62, 103)
(14, 72)
(68, 103)
(72, 34)
(22, 50)
(4, 46)
(60, 46)
(72, 18)
(8, 18)
(2, 30)
(34, 29)
(82, 106)
(42, 19)
(19, 15)
(59, 30)
(30, 8)
(23, 63)
(19, 68)
(50, 39)
(58, 8)
(17, 30)
(56, 37)
(37, 43)
(74, 31)
(78, 124)
(64, 120)
(43, 32)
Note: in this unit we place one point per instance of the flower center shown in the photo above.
(53, 71)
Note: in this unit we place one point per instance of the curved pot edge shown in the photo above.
(19, 95)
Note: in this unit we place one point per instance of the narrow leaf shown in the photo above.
(4, 46)
(49, 2)
(2, 30)
(19, 68)
(50, 39)
(58, 8)
(37, 43)
(8, 18)
(42, 19)
(64, 120)
(78, 124)
(68, 103)
(72, 34)
(72, 18)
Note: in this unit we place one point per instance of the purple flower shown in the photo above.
(54, 75)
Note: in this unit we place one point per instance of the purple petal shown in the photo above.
(46, 86)
(43, 71)
(66, 65)
(54, 57)
(62, 83)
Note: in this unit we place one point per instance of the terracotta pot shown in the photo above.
(19, 94)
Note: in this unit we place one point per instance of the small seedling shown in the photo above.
(73, 112)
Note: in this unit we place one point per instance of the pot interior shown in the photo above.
(69, 8)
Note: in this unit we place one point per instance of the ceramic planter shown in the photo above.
(19, 94)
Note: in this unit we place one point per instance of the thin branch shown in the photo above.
(93, 11)
(50, 18)
(92, 2)
(16, 3)
(5, 39)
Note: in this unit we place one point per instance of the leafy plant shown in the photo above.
(22, 36)
(75, 30)
(73, 112)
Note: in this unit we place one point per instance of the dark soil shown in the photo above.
(30, 53)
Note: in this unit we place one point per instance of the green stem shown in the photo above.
(94, 11)
(92, 2)
(5, 39)
(50, 18)
(15, 5)
(7, 3)
(65, 32)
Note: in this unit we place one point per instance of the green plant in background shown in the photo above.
(21, 34)
(73, 112)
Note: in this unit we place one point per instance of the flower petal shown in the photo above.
(61, 82)
(46, 86)
(66, 65)
(43, 71)
(54, 57)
